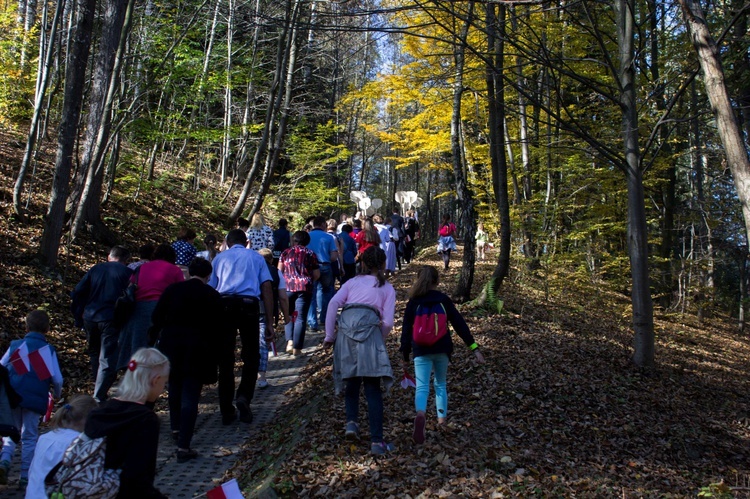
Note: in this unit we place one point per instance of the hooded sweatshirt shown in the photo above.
(132, 432)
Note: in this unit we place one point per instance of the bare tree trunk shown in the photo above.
(88, 210)
(75, 78)
(716, 89)
(272, 158)
(463, 193)
(274, 101)
(42, 82)
(226, 146)
(495, 26)
(643, 313)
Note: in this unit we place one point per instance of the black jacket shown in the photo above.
(187, 318)
(132, 432)
(95, 296)
(444, 344)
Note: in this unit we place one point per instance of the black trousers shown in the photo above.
(241, 313)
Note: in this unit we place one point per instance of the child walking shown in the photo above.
(359, 353)
(424, 296)
(481, 238)
(446, 243)
(33, 370)
(67, 423)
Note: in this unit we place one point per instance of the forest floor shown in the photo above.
(558, 410)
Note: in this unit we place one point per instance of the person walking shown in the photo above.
(282, 239)
(33, 382)
(429, 308)
(299, 267)
(185, 317)
(152, 279)
(324, 246)
(93, 305)
(446, 243)
(358, 340)
(241, 277)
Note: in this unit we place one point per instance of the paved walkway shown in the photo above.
(218, 445)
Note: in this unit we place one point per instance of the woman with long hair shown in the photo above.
(260, 235)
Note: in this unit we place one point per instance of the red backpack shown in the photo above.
(430, 324)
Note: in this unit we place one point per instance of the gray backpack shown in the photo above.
(81, 473)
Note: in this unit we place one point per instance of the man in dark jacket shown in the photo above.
(94, 305)
(186, 317)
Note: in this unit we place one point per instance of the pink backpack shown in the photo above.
(430, 324)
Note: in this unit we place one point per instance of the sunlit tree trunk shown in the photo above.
(716, 89)
(41, 89)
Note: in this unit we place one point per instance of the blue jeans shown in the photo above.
(28, 422)
(103, 353)
(423, 367)
(324, 290)
(374, 404)
(295, 330)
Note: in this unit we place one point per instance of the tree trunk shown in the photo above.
(117, 23)
(271, 113)
(467, 216)
(643, 314)
(42, 82)
(716, 89)
(272, 158)
(75, 78)
(496, 109)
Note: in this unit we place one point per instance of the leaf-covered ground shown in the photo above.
(558, 410)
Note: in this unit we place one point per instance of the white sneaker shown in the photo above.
(289, 346)
(262, 383)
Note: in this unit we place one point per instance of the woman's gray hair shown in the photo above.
(145, 364)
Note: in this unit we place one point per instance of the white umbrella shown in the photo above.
(364, 203)
(376, 203)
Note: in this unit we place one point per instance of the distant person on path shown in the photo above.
(67, 423)
(32, 380)
(349, 253)
(131, 426)
(300, 269)
(324, 246)
(411, 234)
(93, 304)
(446, 243)
(184, 249)
(145, 254)
(481, 238)
(280, 303)
(367, 238)
(152, 279)
(282, 239)
(391, 253)
(186, 316)
(359, 352)
(423, 296)
(397, 225)
(210, 252)
(259, 234)
(242, 278)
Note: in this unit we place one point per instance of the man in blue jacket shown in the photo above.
(94, 305)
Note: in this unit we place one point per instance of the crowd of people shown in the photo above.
(173, 316)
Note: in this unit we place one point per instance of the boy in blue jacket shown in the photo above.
(33, 370)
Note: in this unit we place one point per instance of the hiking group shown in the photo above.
(173, 316)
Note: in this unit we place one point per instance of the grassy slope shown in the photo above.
(557, 410)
